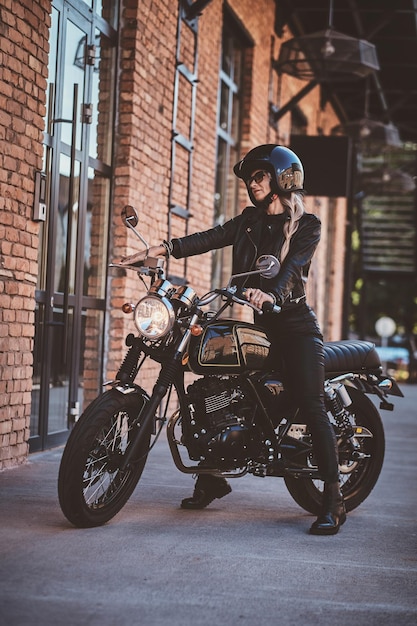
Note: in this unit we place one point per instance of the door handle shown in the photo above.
(69, 225)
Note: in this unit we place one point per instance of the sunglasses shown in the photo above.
(258, 177)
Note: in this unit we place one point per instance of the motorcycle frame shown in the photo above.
(368, 382)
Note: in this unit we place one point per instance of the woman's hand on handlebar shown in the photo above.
(257, 297)
(154, 251)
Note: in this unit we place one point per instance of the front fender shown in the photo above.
(127, 388)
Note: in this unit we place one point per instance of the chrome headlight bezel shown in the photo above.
(185, 295)
(148, 319)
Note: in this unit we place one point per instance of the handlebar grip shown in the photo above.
(268, 307)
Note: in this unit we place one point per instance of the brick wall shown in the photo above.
(23, 62)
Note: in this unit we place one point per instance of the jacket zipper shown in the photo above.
(248, 231)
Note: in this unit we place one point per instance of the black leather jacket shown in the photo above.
(246, 233)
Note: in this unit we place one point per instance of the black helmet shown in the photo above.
(282, 163)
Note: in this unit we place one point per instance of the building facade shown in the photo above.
(141, 102)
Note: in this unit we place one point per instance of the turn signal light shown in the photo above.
(196, 330)
(128, 307)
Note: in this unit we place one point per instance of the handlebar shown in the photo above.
(268, 307)
(230, 294)
(149, 265)
(153, 266)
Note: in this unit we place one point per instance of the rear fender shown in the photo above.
(381, 386)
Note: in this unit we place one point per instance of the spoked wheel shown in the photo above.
(92, 487)
(358, 476)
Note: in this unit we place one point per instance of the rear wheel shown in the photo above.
(92, 487)
(357, 476)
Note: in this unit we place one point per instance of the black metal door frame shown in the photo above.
(60, 341)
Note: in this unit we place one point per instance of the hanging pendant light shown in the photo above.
(327, 56)
(387, 181)
(370, 135)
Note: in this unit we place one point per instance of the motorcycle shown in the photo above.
(233, 418)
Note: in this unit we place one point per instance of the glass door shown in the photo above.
(70, 296)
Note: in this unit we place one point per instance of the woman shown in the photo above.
(277, 224)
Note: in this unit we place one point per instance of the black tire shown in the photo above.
(91, 486)
(357, 478)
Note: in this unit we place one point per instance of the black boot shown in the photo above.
(207, 488)
(333, 512)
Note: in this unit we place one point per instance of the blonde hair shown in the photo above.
(295, 207)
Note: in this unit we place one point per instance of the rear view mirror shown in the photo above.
(268, 266)
(129, 216)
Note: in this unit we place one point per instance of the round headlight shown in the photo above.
(154, 317)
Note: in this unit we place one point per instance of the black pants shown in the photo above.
(297, 345)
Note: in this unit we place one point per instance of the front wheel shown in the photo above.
(357, 476)
(92, 487)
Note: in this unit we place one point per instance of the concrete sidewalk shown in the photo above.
(245, 560)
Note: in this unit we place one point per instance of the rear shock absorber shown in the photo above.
(338, 400)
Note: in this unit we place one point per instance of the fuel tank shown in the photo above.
(228, 347)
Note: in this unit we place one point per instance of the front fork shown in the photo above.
(166, 377)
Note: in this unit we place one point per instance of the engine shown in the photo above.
(221, 430)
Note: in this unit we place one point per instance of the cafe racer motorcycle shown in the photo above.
(233, 417)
